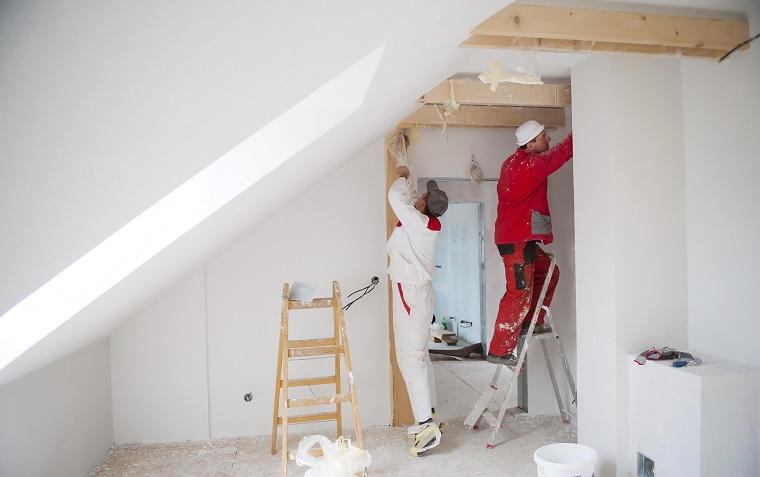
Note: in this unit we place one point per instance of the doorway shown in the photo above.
(459, 278)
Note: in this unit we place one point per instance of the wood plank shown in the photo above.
(322, 416)
(315, 303)
(475, 92)
(401, 408)
(484, 116)
(312, 381)
(318, 400)
(534, 21)
(440, 333)
(311, 342)
(575, 46)
(315, 351)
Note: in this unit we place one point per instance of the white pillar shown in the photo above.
(630, 234)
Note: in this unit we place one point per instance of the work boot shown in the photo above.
(539, 329)
(412, 430)
(509, 361)
(427, 436)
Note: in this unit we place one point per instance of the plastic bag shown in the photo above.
(397, 146)
(338, 459)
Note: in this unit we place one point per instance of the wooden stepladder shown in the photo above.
(481, 411)
(336, 346)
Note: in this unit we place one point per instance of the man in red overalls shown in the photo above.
(523, 220)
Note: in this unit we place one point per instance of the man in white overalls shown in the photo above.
(411, 249)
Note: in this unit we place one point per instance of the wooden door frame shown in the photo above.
(401, 408)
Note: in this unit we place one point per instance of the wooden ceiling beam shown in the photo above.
(576, 46)
(577, 29)
(475, 92)
(483, 116)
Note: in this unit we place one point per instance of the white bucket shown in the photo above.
(565, 460)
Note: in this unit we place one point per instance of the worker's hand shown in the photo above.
(403, 171)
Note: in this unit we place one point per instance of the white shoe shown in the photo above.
(426, 438)
(412, 430)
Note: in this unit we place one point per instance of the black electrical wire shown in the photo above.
(737, 47)
(366, 290)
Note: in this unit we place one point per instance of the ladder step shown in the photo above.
(490, 418)
(480, 406)
(543, 336)
(322, 416)
(312, 381)
(315, 351)
(317, 400)
(306, 305)
(312, 342)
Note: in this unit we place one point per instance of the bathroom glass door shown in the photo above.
(458, 280)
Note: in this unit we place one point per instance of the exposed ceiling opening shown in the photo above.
(519, 33)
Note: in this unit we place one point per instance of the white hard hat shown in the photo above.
(527, 131)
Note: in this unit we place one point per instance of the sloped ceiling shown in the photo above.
(107, 107)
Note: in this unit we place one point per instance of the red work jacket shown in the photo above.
(523, 210)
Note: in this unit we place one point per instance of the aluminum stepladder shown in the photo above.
(336, 346)
(481, 406)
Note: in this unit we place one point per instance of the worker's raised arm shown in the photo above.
(402, 196)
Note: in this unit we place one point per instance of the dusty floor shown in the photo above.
(462, 452)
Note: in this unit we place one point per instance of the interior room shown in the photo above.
(166, 168)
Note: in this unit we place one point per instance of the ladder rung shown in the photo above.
(489, 417)
(314, 351)
(315, 303)
(317, 400)
(543, 336)
(322, 416)
(312, 381)
(313, 342)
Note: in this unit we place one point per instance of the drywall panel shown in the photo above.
(721, 104)
(630, 233)
(158, 369)
(595, 259)
(57, 420)
(333, 231)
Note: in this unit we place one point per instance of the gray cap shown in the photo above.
(437, 200)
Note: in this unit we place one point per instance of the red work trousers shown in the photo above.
(525, 266)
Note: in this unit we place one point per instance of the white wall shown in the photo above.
(630, 233)
(721, 127)
(448, 155)
(230, 312)
(333, 231)
(57, 420)
(159, 369)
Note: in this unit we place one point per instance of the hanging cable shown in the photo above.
(737, 47)
(365, 291)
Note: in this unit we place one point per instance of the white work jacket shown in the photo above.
(411, 247)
